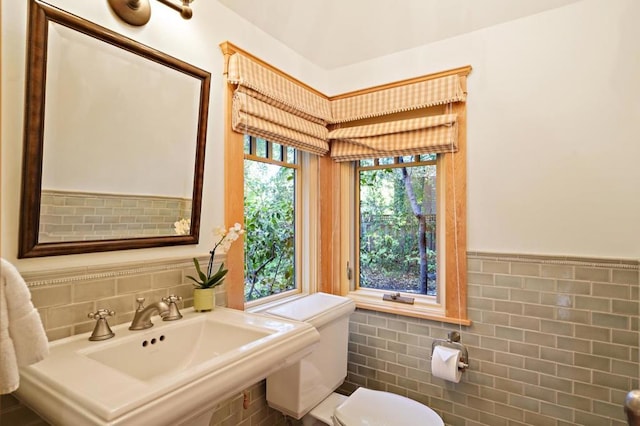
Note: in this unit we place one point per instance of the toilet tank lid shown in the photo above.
(370, 407)
(316, 308)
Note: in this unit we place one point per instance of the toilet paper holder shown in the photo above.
(453, 341)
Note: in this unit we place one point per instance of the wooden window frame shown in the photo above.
(297, 167)
(452, 173)
(450, 304)
(334, 248)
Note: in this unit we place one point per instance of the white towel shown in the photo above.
(22, 337)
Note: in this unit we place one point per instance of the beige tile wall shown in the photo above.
(73, 216)
(258, 413)
(65, 297)
(554, 342)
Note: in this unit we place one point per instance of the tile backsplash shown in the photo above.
(65, 297)
(73, 216)
(553, 341)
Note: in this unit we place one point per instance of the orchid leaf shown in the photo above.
(199, 283)
(202, 276)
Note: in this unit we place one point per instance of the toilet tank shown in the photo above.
(296, 389)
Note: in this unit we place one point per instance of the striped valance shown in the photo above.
(434, 134)
(423, 94)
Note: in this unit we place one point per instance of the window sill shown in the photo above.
(258, 306)
(372, 301)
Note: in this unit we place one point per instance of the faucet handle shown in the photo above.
(101, 331)
(101, 314)
(171, 299)
(174, 313)
(140, 301)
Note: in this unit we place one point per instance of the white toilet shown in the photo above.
(305, 389)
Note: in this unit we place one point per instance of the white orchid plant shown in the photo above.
(182, 227)
(226, 237)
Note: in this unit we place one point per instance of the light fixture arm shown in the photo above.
(138, 12)
(184, 9)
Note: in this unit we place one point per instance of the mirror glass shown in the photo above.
(114, 146)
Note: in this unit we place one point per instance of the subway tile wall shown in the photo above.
(65, 297)
(73, 216)
(554, 342)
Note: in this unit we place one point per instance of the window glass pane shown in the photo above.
(291, 155)
(269, 213)
(366, 163)
(261, 147)
(428, 157)
(247, 144)
(398, 229)
(388, 160)
(277, 152)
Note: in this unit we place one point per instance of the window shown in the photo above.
(271, 214)
(396, 212)
(383, 240)
(411, 117)
(403, 229)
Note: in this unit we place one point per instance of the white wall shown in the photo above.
(552, 120)
(195, 41)
(118, 123)
(553, 127)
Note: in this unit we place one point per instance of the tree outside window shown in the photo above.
(397, 224)
(270, 219)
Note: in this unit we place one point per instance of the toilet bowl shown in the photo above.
(305, 390)
(370, 407)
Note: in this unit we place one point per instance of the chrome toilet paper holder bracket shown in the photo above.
(453, 341)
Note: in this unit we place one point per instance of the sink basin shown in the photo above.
(169, 374)
(169, 350)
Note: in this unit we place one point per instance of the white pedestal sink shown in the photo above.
(170, 374)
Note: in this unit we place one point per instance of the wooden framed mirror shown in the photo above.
(114, 141)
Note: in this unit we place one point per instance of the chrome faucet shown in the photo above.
(142, 317)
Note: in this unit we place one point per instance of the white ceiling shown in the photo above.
(334, 33)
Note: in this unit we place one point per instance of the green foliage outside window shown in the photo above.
(398, 228)
(269, 203)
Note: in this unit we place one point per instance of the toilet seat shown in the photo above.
(366, 407)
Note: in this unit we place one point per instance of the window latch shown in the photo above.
(349, 273)
(398, 298)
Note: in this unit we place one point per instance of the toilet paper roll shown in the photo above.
(444, 363)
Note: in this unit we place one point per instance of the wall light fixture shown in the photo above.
(138, 12)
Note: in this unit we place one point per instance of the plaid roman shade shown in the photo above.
(392, 137)
(434, 134)
(423, 94)
(270, 106)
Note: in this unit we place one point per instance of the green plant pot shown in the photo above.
(204, 299)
